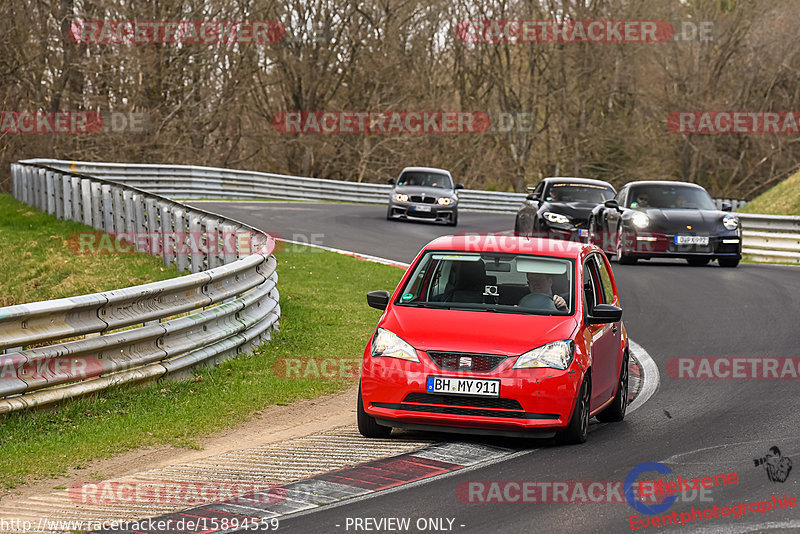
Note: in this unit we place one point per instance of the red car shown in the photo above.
(503, 335)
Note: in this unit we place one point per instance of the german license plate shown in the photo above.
(691, 240)
(464, 386)
(422, 208)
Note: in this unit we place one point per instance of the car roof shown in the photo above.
(664, 182)
(505, 243)
(425, 169)
(574, 180)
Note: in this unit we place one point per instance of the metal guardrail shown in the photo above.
(770, 238)
(192, 182)
(227, 306)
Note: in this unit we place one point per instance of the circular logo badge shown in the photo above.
(630, 482)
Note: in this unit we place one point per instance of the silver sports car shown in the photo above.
(425, 194)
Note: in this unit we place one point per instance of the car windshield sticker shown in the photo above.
(408, 296)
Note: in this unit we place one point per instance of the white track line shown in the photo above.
(650, 380)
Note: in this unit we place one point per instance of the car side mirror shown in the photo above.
(604, 313)
(533, 196)
(378, 299)
(611, 203)
(726, 206)
(391, 181)
(459, 186)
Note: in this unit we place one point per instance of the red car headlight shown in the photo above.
(388, 344)
(557, 355)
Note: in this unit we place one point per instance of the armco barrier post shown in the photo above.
(108, 209)
(119, 210)
(166, 231)
(66, 196)
(96, 191)
(50, 179)
(199, 243)
(58, 195)
(77, 201)
(86, 201)
(179, 224)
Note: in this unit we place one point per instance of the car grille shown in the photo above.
(419, 200)
(480, 363)
(455, 400)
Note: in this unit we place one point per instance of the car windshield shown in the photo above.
(670, 197)
(428, 179)
(505, 283)
(579, 193)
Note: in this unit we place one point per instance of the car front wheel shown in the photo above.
(367, 426)
(578, 428)
(624, 259)
(728, 262)
(616, 410)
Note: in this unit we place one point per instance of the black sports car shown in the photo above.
(662, 219)
(560, 208)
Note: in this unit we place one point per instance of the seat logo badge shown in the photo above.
(688, 226)
(465, 362)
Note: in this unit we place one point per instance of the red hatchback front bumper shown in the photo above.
(530, 400)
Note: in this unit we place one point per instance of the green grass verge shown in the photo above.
(37, 264)
(324, 314)
(783, 199)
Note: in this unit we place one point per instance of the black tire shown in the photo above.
(616, 410)
(578, 429)
(454, 220)
(367, 425)
(622, 258)
(728, 262)
(698, 262)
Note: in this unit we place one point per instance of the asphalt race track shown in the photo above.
(696, 427)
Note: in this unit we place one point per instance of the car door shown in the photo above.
(605, 345)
